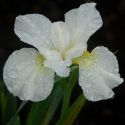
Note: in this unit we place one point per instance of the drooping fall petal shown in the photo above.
(26, 77)
(98, 73)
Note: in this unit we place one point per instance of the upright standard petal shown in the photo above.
(83, 22)
(60, 37)
(56, 57)
(26, 77)
(98, 73)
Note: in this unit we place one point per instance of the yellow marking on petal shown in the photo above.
(86, 60)
(39, 60)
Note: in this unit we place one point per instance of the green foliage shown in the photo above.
(41, 113)
(14, 120)
(69, 117)
(66, 95)
(10, 107)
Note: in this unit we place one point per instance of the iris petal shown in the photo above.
(98, 79)
(26, 77)
(83, 22)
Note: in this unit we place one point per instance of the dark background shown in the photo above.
(111, 35)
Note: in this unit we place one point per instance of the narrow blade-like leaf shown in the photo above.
(13, 119)
(10, 107)
(69, 117)
(66, 95)
(73, 78)
(53, 105)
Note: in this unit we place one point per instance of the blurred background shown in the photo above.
(111, 35)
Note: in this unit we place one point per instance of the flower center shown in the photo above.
(86, 60)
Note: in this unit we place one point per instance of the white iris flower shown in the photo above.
(29, 74)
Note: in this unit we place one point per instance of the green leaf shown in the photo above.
(69, 117)
(66, 88)
(66, 95)
(2, 101)
(13, 119)
(37, 111)
(2, 105)
(2, 86)
(57, 78)
(10, 107)
(73, 78)
(53, 105)
(18, 121)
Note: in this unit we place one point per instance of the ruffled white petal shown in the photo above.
(83, 22)
(98, 80)
(107, 65)
(93, 85)
(25, 76)
(34, 29)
